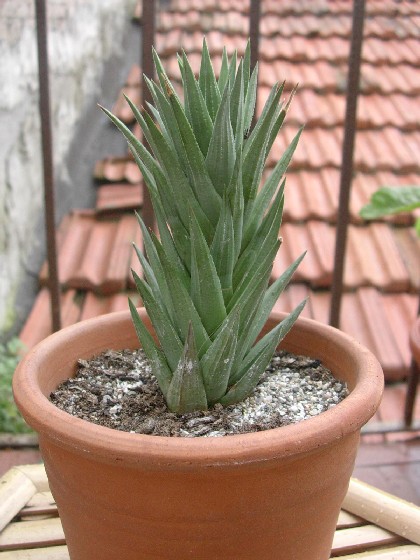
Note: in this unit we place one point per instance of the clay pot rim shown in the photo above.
(110, 445)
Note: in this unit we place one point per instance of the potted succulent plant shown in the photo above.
(209, 333)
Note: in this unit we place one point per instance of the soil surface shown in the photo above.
(117, 389)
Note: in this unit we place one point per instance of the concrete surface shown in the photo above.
(91, 47)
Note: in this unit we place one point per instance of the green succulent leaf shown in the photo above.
(166, 116)
(186, 391)
(154, 271)
(247, 65)
(276, 334)
(204, 190)
(255, 151)
(266, 193)
(206, 289)
(223, 249)
(217, 362)
(232, 69)
(165, 331)
(252, 277)
(196, 108)
(236, 200)
(268, 301)
(258, 359)
(248, 305)
(236, 105)
(250, 100)
(154, 354)
(220, 158)
(208, 83)
(224, 72)
(184, 309)
(264, 237)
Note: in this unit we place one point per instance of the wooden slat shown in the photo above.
(15, 491)
(361, 539)
(408, 552)
(32, 534)
(37, 474)
(384, 510)
(50, 553)
(347, 520)
(41, 503)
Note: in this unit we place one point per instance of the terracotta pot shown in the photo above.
(272, 495)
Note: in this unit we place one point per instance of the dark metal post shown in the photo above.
(254, 30)
(45, 115)
(410, 398)
(412, 386)
(347, 159)
(148, 39)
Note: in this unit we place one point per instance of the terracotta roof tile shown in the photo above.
(379, 321)
(110, 169)
(95, 254)
(71, 241)
(409, 246)
(327, 24)
(38, 323)
(365, 314)
(297, 7)
(317, 238)
(306, 48)
(90, 272)
(373, 257)
(95, 305)
(134, 76)
(392, 150)
(121, 107)
(119, 197)
(75, 306)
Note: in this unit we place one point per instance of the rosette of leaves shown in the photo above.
(206, 275)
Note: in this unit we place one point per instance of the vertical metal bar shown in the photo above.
(412, 386)
(148, 39)
(45, 115)
(410, 398)
(350, 124)
(254, 30)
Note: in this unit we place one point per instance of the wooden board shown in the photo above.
(373, 525)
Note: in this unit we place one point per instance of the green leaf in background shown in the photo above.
(11, 422)
(391, 200)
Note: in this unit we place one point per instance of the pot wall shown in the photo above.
(271, 495)
(225, 513)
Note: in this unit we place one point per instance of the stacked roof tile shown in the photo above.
(305, 42)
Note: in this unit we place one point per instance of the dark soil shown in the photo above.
(118, 390)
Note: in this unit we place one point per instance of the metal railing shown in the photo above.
(346, 173)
